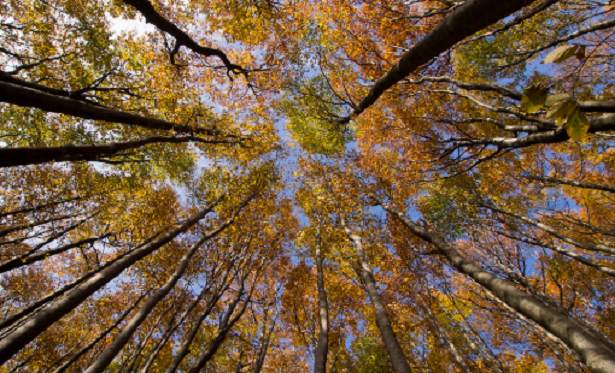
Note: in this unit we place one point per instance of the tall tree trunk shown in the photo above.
(185, 346)
(31, 308)
(598, 357)
(471, 17)
(114, 348)
(19, 338)
(447, 340)
(228, 321)
(17, 93)
(552, 342)
(25, 260)
(12, 157)
(102, 335)
(264, 345)
(396, 354)
(143, 343)
(169, 332)
(322, 348)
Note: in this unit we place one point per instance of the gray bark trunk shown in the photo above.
(21, 95)
(19, 338)
(12, 157)
(471, 17)
(120, 341)
(322, 348)
(21, 261)
(448, 341)
(102, 335)
(596, 355)
(156, 350)
(185, 347)
(58, 293)
(396, 354)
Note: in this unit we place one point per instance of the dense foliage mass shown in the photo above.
(298, 185)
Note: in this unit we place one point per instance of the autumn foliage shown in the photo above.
(291, 186)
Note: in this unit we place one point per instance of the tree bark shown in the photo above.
(120, 341)
(596, 355)
(102, 335)
(142, 343)
(223, 329)
(28, 97)
(66, 288)
(396, 354)
(322, 348)
(152, 16)
(11, 157)
(21, 261)
(264, 346)
(19, 338)
(471, 17)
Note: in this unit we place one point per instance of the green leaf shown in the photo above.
(561, 54)
(561, 110)
(553, 99)
(577, 125)
(534, 98)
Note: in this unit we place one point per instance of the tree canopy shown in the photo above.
(297, 185)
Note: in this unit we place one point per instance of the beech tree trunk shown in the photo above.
(322, 347)
(264, 346)
(471, 17)
(185, 347)
(22, 95)
(447, 340)
(225, 326)
(596, 355)
(168, 333)
(102, 335)
(120, 341)
(396, 354)
(58, 293)
(19, 338)
(11, 157)
(21, 261)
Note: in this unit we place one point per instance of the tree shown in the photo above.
(278, 186)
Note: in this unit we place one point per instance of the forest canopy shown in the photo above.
(341, 186)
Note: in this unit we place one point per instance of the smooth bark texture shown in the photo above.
(120, 341)
(185, 347)
(396, 354)
(322, 347)
(168, 333)
(142, 343)
(102, 335)
(28, 97)
(595, 354)
(471, 17)
(225, 326)
(19, 338)
(11, 157)
(50, 297)
(264, 345)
